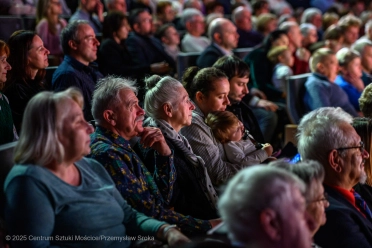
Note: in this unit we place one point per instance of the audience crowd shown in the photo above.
(119, 144)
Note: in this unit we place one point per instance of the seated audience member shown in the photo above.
(168, 106)
(193, 4)
(321, 90)
(350, 26)
(224, 38)
(119, 118)
(8, 132)
(28, 58)
(194, 41)
(170, 40)
(329, 19)
(326, 135)
(350, 77)
(49, 25)
(116, 5)
(365, 101)
(59, 192)
(264, 207)
(286, 18)
(90, 11)
(113, 55)
(29, 7)
(333, 38)
(142, 46)
(282, 59)
(241, 16)
(364, 47)
(312, 174)
(260, 7)
(212, 7)
(164, 14)
(238, 146)
(79, 45)
(258, 116)
(301, 55)
(368, 31)
(363, 126)
(280, 7)
(266, 23)
(313, 16)
(309, 35)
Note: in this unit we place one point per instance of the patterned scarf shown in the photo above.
(198, 164)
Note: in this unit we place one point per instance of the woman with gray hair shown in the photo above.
(55, 196)
(169, 108)
(312, 174)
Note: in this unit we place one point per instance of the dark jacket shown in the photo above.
(249, 38)
(210, 55)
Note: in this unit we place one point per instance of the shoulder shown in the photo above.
(32, 172)
(43, 24)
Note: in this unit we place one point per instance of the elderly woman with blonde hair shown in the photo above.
(55, 193)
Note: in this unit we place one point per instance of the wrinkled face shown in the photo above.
(122, 32)
(168, 14)
(229, 36)
(197, 24)
(238, 88)
(317, 205)
(354, 68)
(287, 58)
(172, 37)
(329, 67)
(55, 7)
(367, 59)
(236, 132)
(4, 68)
(37, 56)
(310, 38)
(75, 131)
(129, 115)
(182, 116)
(118, 5)
(351, 34)
(217, 99)
(245, 22)
(86, 45)
(144, 25)
(295, 36)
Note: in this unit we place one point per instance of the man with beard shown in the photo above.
(326, 135)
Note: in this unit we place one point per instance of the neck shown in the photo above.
(339, 183)
(115, 131)
(80, 59)
(176, 126)
(291, 47)
(193, 33)
(54, 18)
(116, 39)
(32, 73)
(66, 171)
(365, 70)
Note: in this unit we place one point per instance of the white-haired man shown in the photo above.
(309, 34)
(264, 207)
(326, 135)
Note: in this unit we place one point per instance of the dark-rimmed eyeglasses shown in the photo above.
(361, 147)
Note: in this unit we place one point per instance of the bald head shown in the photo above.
(223, 32)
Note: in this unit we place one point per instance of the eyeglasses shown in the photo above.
(324, 199)
(361, 147)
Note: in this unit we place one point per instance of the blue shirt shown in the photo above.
(350, 90)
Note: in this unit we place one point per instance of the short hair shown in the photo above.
(307, 170)
(195, 80)
(263, 20)
(237, 13)
(112, 23)
(257, 5)
(306, 27)
(271, 38)
(38, 143)
(284, 18)
(345, 55)
(349, 21)
(210, 6)
(216, 26)
(189, 14)
(275, 52)
(189, 4)
(365, 101)
(329, 19)
(4, 49)
(221, 124)
(70, 32)
(319, 56)
(160, 91)
(106, 95)
(359, 45)
(333, 32)
(319, 132)
(287, 26)
(309, 13)
(162, 30)
(232, 66)
(368, 26)
(161, 5)
(363, 126)
(134, 16)
(248, 193)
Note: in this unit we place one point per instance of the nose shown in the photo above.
(365, 154)
(8, 66)
(96, 42)
(246, 90)
(90, 128)
(227, 101)
(47, 51)
(192, 106)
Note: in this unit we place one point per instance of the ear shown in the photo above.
(167, 109)
(320, 67)
(342, 69)
(110, 117)
(188, 25)
(72, 44)
(135, 27)
(199, 97)
(334, 161)
(164, 40)
(217, 38)
(270, 224)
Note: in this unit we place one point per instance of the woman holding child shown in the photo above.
(168, 106)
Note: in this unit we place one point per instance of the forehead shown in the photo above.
(127, 96)
(36, 41)
(239, 80)
(350, 133)
(228, 26)
(144, 15)
(85, 30)
(221, 85)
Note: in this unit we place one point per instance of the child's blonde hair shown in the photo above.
(275, 52)
(319, 56)
(221, 123)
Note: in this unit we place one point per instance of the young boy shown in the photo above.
(282, 59)
(321, 91)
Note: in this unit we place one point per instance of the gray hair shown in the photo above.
(249, 192)
(70, 32)
(161, 91)
(368, 26)
(306, 27)
(309, 13)
(38, 143)
(307, 170)
(238, 12)
(106, 95)
(216, 26)
(286, 26)
(345, 55)
(320, 131)
(359, 45)
(189, 14)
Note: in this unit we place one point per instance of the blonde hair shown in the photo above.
(275, 52)
(263, 20)
(319, 56)
(221, 123)
(38, 143)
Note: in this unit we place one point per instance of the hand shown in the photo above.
(303, 54)
(153, 137)
(175, 238)
(268, 149)
(356, 81)
(159, 68)
(99, 11)
(215, 222)
(258, 93)
(269, 106)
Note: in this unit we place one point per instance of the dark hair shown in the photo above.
(221, 124)
(209, 7)
(112, 23)
(70, 33)
(333, 32)
(257, 5)
(160, 33)
(195, 80)
(133, 16)
(19, 44)
(232, 66)
(273, 36)
(161, 5)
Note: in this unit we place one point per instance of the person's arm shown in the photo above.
(249, 156)
(136, 52)
(29, 212)
(318, 94)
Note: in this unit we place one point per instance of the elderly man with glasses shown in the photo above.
(326, 135)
